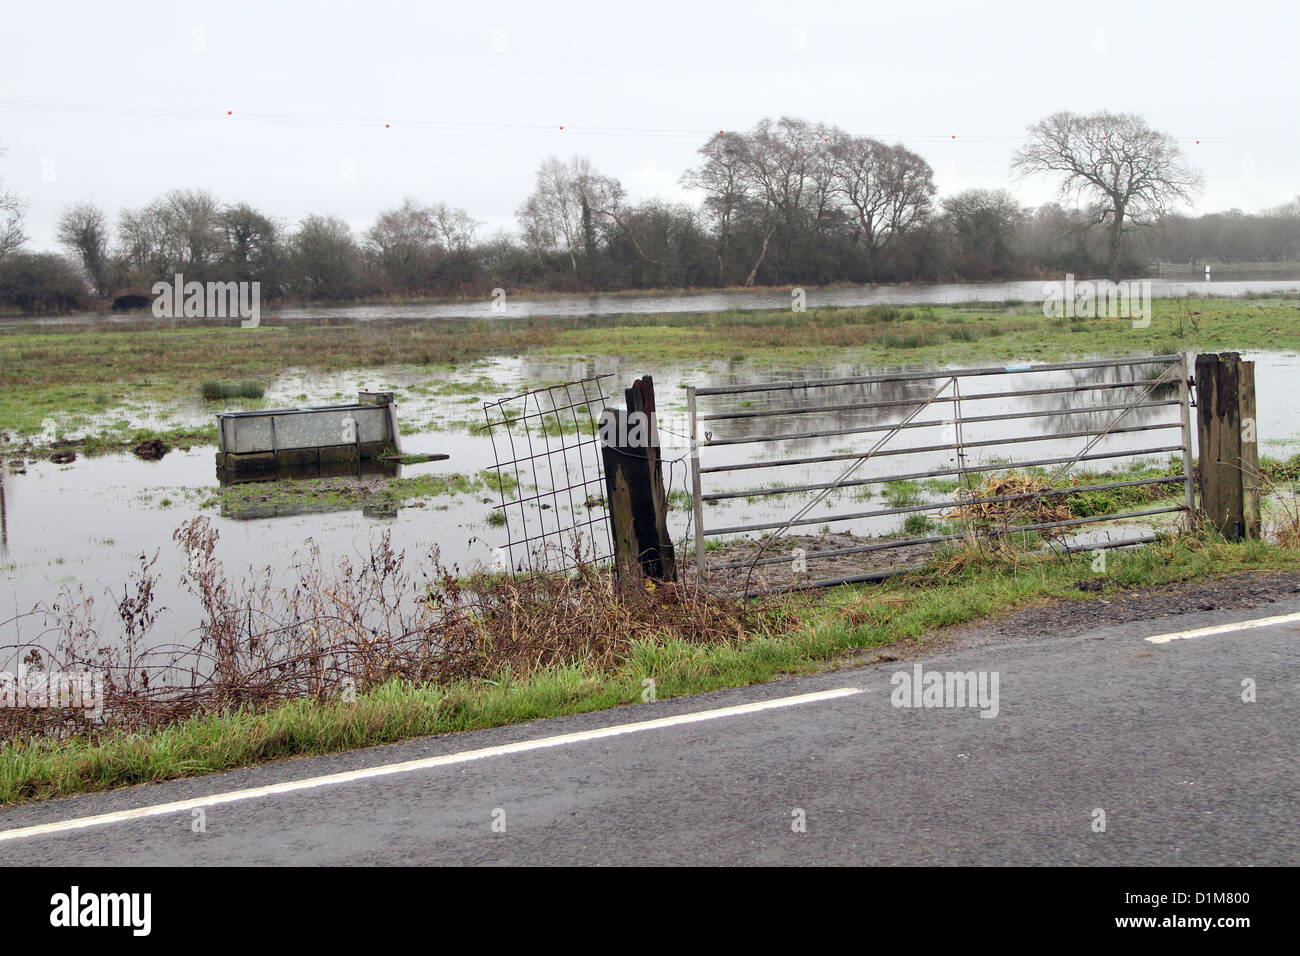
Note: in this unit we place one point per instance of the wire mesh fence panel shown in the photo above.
(810, 483)
(550, 479)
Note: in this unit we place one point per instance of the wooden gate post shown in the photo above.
(634, 486)
(1229, 452)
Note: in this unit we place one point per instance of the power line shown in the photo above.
(300, 119)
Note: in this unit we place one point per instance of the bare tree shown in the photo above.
(83, 230)
(805, 181)
(1288, 210)
(142, 245)
(193, 222)
(12, 211)
(781, 162)
(888, 190)
(182, 231)
(552, 215)
(404, 242)
(564, 207)
(326, 262)
(605, 197)
(453, 228)
(411, 243)
(982, 226)
(1133, 173)
(721, 177)
(252, 246)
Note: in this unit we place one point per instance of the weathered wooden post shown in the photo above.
(634, 486)
(1225, 419)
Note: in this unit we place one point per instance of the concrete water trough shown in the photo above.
(308, 440)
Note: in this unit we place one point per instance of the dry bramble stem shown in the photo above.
(349, 626)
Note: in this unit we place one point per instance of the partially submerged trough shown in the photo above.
(304, 440)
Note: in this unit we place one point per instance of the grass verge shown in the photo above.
(958, 588)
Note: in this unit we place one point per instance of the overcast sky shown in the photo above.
(310, 86)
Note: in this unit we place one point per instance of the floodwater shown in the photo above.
(86, 523)
(524, 306)
(841, 297)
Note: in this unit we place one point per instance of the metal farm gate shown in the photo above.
(550, 478)
(972, 426)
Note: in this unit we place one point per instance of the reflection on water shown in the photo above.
(845, 297)
(521, 306)
(1048, 428)
(280, 499)
(364, 468)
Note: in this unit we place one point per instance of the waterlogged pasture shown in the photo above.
(85, 524)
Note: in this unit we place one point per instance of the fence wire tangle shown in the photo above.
(550, 476)
(975, 440)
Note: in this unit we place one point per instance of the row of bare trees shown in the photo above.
(788, 201)
(800, 183)
(407, 250)
(792, 200)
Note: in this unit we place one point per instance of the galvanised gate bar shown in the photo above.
(963, 424)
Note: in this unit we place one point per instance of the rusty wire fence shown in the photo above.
(550, 477)
(968, 430)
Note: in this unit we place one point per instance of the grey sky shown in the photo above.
(311, 85)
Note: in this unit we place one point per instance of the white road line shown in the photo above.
(384, 770)
(1224, 628)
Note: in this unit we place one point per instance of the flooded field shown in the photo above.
(523, 305)
(86, 523)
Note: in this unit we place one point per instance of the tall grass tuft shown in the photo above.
(913, 341)
(217, 391)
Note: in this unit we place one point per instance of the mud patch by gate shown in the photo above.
(793, 560)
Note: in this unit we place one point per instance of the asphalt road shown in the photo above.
(1155, 735)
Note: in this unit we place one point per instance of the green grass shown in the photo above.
(328, 493)
(120, 436)
(1279, 471)
(900, 494)
(410, 459)
(1113, 500)
(75, 375)
(219, 391)
(831, 625)
(680, 499)
(916, 526)
(910, 341)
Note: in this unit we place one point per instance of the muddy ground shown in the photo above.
(786, 572)
(793, 569)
